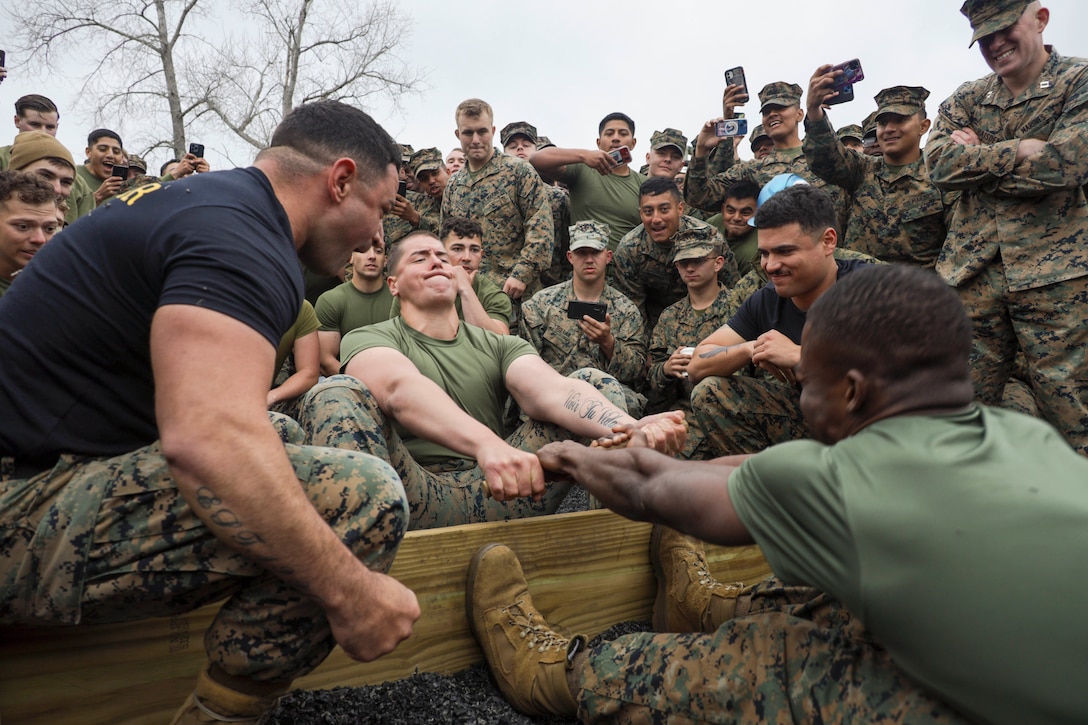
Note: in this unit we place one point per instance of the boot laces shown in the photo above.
(540, 636)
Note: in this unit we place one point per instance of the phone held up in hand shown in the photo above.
(577, 309)
(735, 77)
(197, 149)
(402, 188)
(120, 171)
(622, 155)
(844, 84)
(731, 127)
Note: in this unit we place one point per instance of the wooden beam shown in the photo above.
(587, 571)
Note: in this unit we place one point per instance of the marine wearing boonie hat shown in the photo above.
(31, 146)
(900, 100)
(426, 160)
(669, 137)
(779, 93)
(518, 128)
(989, 16)
(851, 131)
(589, 234)
(695, 243)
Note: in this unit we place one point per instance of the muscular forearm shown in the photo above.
(711, 358)
(423, 408)
(475, 314)
(293, 386)
(576, 406)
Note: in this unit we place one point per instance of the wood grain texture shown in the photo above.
(587, 571)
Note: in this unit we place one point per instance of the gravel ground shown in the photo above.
(469, 697)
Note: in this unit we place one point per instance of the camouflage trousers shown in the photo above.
(111, 539)
(742, 414)
(342, 413)
(1050, 326)
(789, 655)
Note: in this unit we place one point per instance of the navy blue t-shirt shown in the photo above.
(75, 357)
(764, 310)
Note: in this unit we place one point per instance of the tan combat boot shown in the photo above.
(212, 702)
(689, 598)
(529, 660)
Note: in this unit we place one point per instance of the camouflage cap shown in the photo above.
(851, 131)
(589, 234)
(758, 134)
(426, 160)
(698, 243)
(31, 146)
(669, 137)
(406, 152)
(543, 142)
(517, 128)
(137, 162)
(989, 16)
(869, 125)
(900, 100)
(779, 93)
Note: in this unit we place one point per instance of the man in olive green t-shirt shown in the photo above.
(942, 541)
(427, 392)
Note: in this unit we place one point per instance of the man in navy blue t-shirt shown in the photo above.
(736, 413)
(141, 475)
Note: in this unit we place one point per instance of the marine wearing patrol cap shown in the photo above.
(426, 160)
(406, 152)
(518, 128)
(695, 243)
(758, 134)
(779, 93)
(989, 16)
(589, 234)
(669, 137)
(900, 100)
(543, 142)
(851, 131)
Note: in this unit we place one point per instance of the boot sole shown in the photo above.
(660, 613)
(470, 586)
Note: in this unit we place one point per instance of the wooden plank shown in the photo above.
(587, 571)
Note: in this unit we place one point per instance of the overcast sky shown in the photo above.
(563, 65)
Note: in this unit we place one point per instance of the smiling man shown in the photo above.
(738, 413)
(644, 271)
(156, 480)
(427, 392)
(104, 150)
(1015, 145)
(28, 219)
(780, 107)
(896, 214)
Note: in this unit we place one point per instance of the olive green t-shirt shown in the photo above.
(471, 368)
(305, 323)
(958, 539)
(610, 199)
(343, 308)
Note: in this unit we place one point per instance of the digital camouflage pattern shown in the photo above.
(342, 413)
(643, 271)
(1016, 242)
(896, 215)
(707, 181)
(680, 325)
(563, 345)
(510, 201)
(111, 539)
(740, 413)
(559, 269)
(789, 655)
(430, 213)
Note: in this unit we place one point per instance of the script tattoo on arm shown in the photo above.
(597, 410)
(222, 516)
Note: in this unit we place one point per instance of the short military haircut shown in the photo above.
(396, 251)
(743, 189)
(29, 188)
(473, 108)
(462, 227)
(324, 131)
(162, 169)
(803, 204)
(98, 133)
(616, 116)
(894, 321)
(660, 185)
(34, 102)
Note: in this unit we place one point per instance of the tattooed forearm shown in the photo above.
(717, 351)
